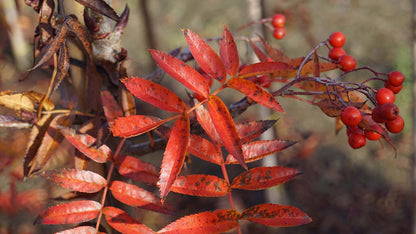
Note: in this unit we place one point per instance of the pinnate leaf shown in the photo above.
(256, 150)
(132, 195)
(217, 221)
(72, 212)
(83, 142)
(275, 215)
(274, 69)
(229, 52)
(255, 92)
(77, 180)
(134, 125)
(201, 185)
(204, 119)
(154, 94)
(123, 222)
(182, 72)
(264, 177)
(205, 56)
(174, 155)
(204, 149)
(136, 169)
(249, 131)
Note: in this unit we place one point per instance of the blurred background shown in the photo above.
(341, 189)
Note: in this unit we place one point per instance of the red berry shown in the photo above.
(376, 115)
(337, 39)
(389, 111)
(396, 78)
(336, 52)
(356, 140)
(279, 32)
(396, 125)
(395, 89)
(351, 116)
(374, 132)
(278, 20)
(384, 96)
(347, 63)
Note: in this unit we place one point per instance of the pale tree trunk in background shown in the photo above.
(414, 115)
(255, 10)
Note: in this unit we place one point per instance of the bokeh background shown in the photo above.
(341, 189)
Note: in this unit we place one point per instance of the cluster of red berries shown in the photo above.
(278, 22)
(337, 53)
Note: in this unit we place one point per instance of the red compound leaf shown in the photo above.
(111, 108)
(203, 223)
(249, 131)
(77, 180)
(136, 169)
(255, 92)
(182, 72)
(72, 212)
(229, 52)
(154, 94)
(204, 149)
(264, 177)
(123, 222)
(275, 215)
(201, 185)
(204, 119)
(274, 69)
(81, 229)
(174, 155)
(134, 125)
(205, 56)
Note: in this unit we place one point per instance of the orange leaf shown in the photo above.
(264, 177)
(217, 221)
(111, 108)
(225, 127)
(132, 195)
(267, 68)
(182, 72)
(249, 131)
(136, 169)
(83, 142)
(72, 212)
(275, 215)
(154, 94)
(255, 92)
(77, 180)
(256, 150)
(274, 53)
(134, 125)
(229, 52)
(81, 229)
(204, 149)
(259, 53)
(201, 185)
(174, 154)
(204, 119)
(206, 57)
(123, 222)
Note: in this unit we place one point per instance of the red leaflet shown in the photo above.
(174, 154)
(201, 185)
(204, 149)
(72, 212)
(182, 72)
(77, 180)
(259, 149)
(266, 68)
(217, 221)
(83, 143)
(229, 52)
(154, 94)
(264, 177)
(274, 53)
(225, 127)
(136, 169)
(132, 195)
(111, 108)
(134, 125)
(82, 229)
(204, 119)
(259, 53)
(249, 131)
(276, 215)
(206, 57)
(255, 92)
(123, 222)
